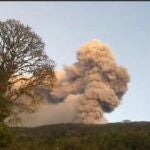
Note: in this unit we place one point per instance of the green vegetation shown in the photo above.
(118, 136)
(5, 136)
(5, 107)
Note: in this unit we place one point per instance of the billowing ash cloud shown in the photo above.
(93, 85)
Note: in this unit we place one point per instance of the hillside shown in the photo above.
(114, 136)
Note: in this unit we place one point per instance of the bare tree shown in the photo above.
(24, 65)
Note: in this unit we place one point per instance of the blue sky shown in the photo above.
(125, 26)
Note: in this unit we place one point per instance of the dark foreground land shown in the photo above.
(116, 136)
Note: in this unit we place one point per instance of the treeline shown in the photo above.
(119, 136)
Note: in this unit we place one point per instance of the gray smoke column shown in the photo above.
(96, 81)
(85, 90)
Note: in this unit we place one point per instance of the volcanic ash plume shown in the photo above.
(85, 90)
(95, 81)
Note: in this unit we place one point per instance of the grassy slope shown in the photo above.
(116, 136)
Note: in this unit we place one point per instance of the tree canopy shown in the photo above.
(24, 64)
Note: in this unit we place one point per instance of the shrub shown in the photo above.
(5, 107)
(5, 136)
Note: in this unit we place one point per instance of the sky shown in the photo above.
(66, 26)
